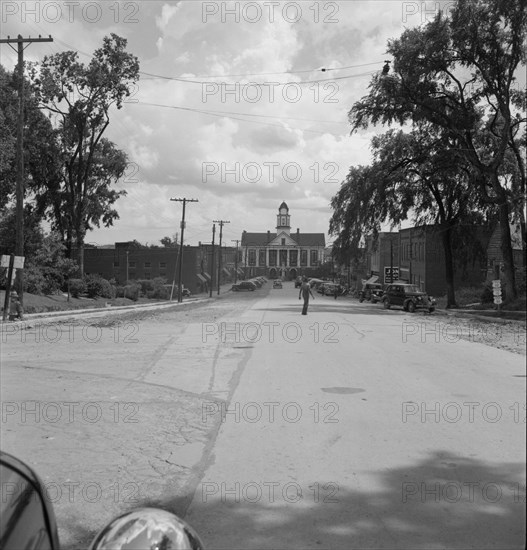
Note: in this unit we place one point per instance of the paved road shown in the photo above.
(353, 427)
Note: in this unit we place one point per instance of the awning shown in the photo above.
(206, 275)
(373, 279)
(201, 278)
(226, 271)
(240, 271)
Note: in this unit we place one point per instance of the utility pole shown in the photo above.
(19, 235)
(184, 201)
(391, 259)
(236, 260)
(212, 260)
(220, 222)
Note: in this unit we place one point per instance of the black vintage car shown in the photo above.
(408, 296)
(371, 292)
(244, 285)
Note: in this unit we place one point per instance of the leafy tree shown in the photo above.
(50, 266)
(33, 234)
(457, 73)
(40, 145)
(169, 242)
(80, 96)
(412, 176)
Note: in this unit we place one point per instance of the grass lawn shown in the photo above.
(470, 298)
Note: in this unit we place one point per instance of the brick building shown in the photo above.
(418, 254)
(382, 255)
(126, 262)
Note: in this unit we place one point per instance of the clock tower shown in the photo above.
(283, 223)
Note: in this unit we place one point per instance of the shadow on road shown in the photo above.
(442, 501)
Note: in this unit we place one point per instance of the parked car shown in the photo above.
(321, 288)
(28, 519)
(244, 285)
(371, 291)
(408, 296)
(314, 283)
(256, 281)
(277, 283)
(331, 288)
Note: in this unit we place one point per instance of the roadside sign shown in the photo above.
(17, 264)
(496, 291)
(390, 277)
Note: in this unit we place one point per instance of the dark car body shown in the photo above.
(371, 292)
(27, 517)
(28, 522)
(331, 288)
(407, 296)
(244, 285)
(315, 283)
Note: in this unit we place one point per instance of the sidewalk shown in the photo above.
(100, 311)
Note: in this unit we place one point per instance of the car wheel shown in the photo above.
(431, 309)
(361, 299)
(411, 306)
(386, 304)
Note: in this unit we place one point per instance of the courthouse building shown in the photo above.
(281, 253)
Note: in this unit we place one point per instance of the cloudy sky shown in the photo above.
(232, 107)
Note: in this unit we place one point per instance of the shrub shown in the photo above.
(98, 286)
(34, 281)
(146, 285)
(132, 291)
(159, 293)
(77, 287)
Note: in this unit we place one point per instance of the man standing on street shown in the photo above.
(305, 291)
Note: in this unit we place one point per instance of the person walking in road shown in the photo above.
(305, 291)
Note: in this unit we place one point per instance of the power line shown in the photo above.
(242, 114)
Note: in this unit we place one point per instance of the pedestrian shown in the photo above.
(336, 291)
(15, 307)
(305, 291)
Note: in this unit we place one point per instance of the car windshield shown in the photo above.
(411, 289)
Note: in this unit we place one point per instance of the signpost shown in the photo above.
(12, 263)
(391, 275)
(496, 291)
